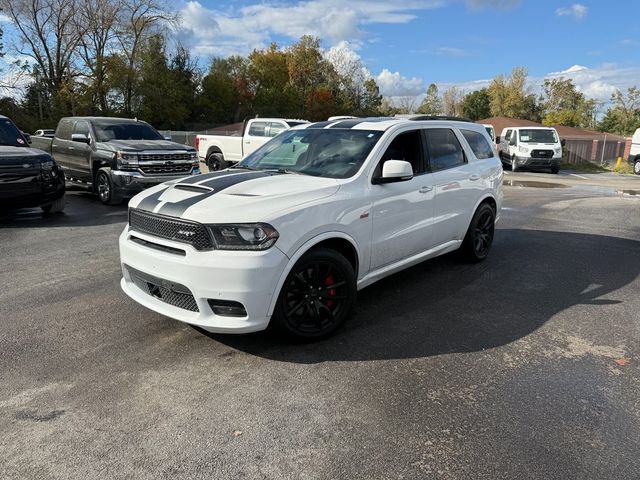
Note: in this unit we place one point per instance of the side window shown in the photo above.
(445, 150)
(275, 128)
(406, 146)
(258, 129)
(81, 127)
(507, 136)
(479, 145)
(64, 130)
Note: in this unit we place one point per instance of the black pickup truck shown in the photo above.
(116, 157)
(28, 177)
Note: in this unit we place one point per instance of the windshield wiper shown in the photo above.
(242, 167)
(284, 170)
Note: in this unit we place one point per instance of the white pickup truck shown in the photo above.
(220, 151)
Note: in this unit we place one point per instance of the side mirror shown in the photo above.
(27, 137)
(563, 142)
(80, 137)
(395, 171)
(497, 139)
(512, 141)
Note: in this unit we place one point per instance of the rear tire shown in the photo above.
(479, 238)
(216, 161)
(317, 296)
(636, 167)
(57, 206)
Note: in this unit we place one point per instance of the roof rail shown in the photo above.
(438, 117)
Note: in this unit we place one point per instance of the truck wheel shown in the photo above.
(104, 188)
(555, 169)
(57, 206)
(216, 161)
(636, 167)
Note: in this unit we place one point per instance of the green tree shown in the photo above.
(511, 97)
(225, 96)
(563, 104)
(371, 99)
(432, 103)
(268, 76)
(624, 116)
(477, 105)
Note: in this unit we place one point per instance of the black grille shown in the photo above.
(191, 233)
(541, 153)
(165, 156)
(168, 292)
(153, 169)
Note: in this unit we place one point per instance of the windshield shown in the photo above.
(330, 153)
(10, 135)
(106, 131)
(538, 136)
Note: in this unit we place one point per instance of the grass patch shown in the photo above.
(586, 167)
(625, 168)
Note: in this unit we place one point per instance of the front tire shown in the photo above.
(57, 206)
(636, 167)
(479, 238)
(216, 161)
(555, 169)
(317, 296)
(104, 189)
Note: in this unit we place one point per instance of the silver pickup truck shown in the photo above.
(116, 157)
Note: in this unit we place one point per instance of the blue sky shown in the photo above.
(407, 44)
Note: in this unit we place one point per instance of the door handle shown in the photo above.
(71, 148)
(474, 177)
(425, 189)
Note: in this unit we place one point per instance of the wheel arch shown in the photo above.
(213, 149)
(338, 241)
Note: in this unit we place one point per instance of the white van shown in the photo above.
(634, 154)
(531, 147)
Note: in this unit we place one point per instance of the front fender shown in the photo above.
(308, 245)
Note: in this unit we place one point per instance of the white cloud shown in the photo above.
(241, 29)
(577, 11)
(393, 84)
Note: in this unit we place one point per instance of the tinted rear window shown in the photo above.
(478, 143)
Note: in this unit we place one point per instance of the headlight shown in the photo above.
(558, 151)
(127, 160)
(47, 165)
(523, 149)
(193, 155)
(243, 236)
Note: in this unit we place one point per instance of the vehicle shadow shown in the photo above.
(445, 306)
(82, 209)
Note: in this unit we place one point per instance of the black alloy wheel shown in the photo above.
(216, 161)
(317, 295)
(479, 238)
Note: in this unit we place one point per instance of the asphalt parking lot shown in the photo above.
(524, 366)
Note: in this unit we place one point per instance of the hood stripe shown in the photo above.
(177, 209)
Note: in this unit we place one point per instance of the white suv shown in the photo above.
(288, 236)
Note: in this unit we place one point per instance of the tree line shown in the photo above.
(120, 58)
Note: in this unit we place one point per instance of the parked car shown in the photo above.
(287, 236)
(531, 147)
(221, 151)
(44, 132)
(491, 131)
(634, 153)
(28, 177)
(117, 157)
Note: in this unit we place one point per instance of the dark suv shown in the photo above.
(28, 177)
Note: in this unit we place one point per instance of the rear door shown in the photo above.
(457, 183)
(60, 147)
(403, 211)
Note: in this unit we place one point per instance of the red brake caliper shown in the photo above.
(330, 291)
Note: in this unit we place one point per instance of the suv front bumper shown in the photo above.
(129, 183)
(246, 277)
